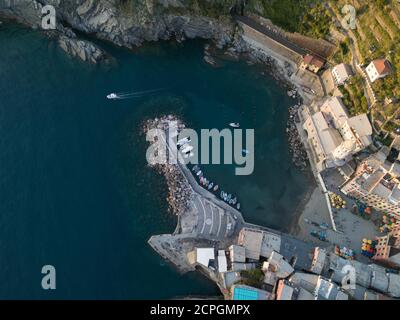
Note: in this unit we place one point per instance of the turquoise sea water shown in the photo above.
(75, 190)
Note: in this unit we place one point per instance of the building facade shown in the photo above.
(388, 248)
(341, 73)
(333, 136)
(312, 63)
(378, 69)
(376, 183)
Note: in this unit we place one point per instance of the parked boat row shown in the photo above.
(211, 186)
(185, 148)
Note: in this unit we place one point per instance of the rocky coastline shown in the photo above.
(113, 21)
(296, 147)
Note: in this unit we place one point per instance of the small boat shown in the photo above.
(183, 141)
(206, 183)
(112, 96)
(225, 196)
(229, 197)
(231, 201)
(245, 151)
(210, 185)
(234, 200)
(238, 206)
(234, 124)
(201, 180)
(195, 168)
(216, 187)
(188, 155)
(199, 173)
(222, 194)
(187, 149)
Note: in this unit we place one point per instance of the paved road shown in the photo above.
(212, 221)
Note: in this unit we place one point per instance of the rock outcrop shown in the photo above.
(84, 50)
(129, 23)
(29, 12)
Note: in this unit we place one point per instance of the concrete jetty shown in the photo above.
(210, 222)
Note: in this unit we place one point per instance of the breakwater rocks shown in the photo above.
(299, 154)
(179, 191)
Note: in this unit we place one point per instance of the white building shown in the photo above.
(333, 137)
(204, 256)
(341, 73)
(378, 69)
(222, 262)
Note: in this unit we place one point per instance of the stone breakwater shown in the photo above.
(179, 191)
(299, 154)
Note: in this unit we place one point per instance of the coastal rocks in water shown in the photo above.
(299, 155)
(84, 50)
(208, 56)
(210, 60)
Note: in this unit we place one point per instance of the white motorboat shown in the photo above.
(188, 155)
(112, 96)
(187, 149)
(183, 141)
(234, 124)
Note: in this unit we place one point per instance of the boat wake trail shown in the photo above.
(137, 94)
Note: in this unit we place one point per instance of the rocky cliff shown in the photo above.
(128, 22)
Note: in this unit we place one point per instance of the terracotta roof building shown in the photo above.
(378, 69)
(312, 63)
(388, 248)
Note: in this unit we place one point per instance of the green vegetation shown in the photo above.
(353, 96)
(252, 278)
(287, 14)
(214, 9)
(343, 54)
(316, 22)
